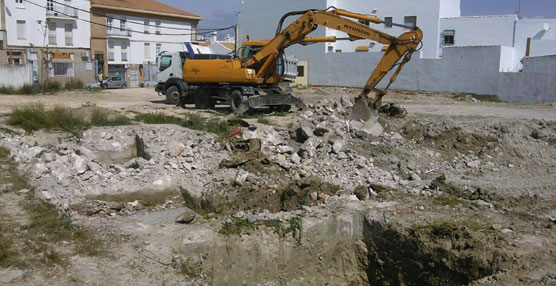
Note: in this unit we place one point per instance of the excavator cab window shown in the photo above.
(248, 51)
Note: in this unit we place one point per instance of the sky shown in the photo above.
(222, 13)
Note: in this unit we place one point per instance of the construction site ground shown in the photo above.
(456, 191)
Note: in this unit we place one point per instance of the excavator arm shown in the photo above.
(398, 53)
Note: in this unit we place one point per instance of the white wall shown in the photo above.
(427, 12)
(170, 40)
(14, 75)
(481, 30)
(35, 24)
(540, 64)
(509, 60)
(535, 29)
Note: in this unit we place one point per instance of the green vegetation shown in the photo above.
(100, 117)
(448, 200)
(237, 227)
(183, 265)
(34, 243)
(294, 227)
(46, 87)
(47, 226)
(8, 255)
(263, 120)
(443, 229)
(10, 174)
(191, 121)
(37, 117)
(159, 118)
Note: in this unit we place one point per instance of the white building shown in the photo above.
(54, 38)
(480, 54)
(132, 33)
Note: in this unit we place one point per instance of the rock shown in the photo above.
(320, 131)
(414, 177)
(7, 275)
(180, 149)
(309, 148)
(255, 144)
(473, 164)
(296, 159)
(338, 144)
(85, 153)
(187, 217)
(79, 164)
(48, 157)
(240, 214)
(94, 167)
(285, 149)
(304, 132)
(368, 128)
(393, 110)
(361, 192)
(345, 101)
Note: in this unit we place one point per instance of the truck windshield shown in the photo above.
(165, 62)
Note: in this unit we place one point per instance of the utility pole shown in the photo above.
(519, 9)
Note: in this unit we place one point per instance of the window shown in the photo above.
(110, 51)
(52, 34)
(123, 23)
(62, 69)
(50, 5)
(109, 22)
(158, 48)
(124, 52)
(69, 34)
(366, 23)
(410, 21)
(165, 62)
(338, 51)
(21, 32)
(158, 27)
(448, 37)
(147, 50)
(330, 49)
(388, 22)
(147, 27)
(300, 71)
(19, 3)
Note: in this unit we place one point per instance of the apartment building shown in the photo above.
(488, 54)
(50, 36)
(127, 35)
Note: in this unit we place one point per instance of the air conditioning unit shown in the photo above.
(85, 54)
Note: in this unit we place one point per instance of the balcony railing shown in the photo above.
(61, 11)
(118, 32)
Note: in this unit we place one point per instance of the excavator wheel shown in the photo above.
(236, 100)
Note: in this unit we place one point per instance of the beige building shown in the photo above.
(127, 36)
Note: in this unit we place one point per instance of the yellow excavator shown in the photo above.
(251, 80)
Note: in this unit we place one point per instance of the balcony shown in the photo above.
(60, 11)
(118, 32)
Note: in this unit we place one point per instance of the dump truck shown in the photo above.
(252, 77)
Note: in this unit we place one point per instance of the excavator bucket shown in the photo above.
(364, 109)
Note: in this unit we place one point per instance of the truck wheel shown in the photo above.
(235, 100)
(203, 100)
(173, 95)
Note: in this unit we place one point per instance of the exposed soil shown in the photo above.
(453, 192)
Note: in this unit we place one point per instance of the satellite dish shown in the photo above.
(546, 27)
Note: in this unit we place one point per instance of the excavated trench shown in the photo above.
(356, 248)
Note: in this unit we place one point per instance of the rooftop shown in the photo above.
(144, 7)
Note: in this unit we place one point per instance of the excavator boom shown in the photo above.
(398, 53)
